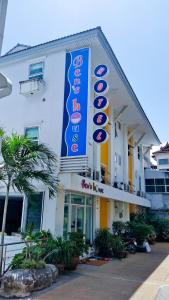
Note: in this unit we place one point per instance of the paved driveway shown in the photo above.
(138, 277)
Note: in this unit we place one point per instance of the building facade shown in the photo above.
(72, 95)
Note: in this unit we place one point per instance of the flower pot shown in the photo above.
(61, 268)
(122, 254)
(73, 265)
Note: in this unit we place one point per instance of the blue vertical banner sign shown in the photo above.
(74, 133)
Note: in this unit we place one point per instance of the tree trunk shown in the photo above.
(4, 225)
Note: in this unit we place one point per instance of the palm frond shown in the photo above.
(26, 162)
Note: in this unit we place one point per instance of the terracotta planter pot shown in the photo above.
(73, 264)
(122, 254)
(61, 268)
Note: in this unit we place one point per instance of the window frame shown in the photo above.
(30, 127)
(163, 159)
(39, 75)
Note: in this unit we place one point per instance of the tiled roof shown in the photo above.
(163, 149)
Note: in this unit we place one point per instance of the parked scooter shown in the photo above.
(130, 244)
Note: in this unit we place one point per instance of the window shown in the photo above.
(149, 181)
(138, 151)
(159, 181)
(150, 189)
(167, 181)
(163, 161)
(119, 158)
(35, 210)
(32, 133)
(115, 158)
(115, 129)
(119, 125)
(36, 70)
(160, 189)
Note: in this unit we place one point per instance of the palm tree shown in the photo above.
(23, 163)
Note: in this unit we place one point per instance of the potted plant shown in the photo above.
(103, 243)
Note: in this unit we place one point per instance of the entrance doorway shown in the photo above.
(77, 220)
(14, 214)
(78, 215)
(104, 209)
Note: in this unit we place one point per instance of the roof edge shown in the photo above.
(127, 84)
(52, 43)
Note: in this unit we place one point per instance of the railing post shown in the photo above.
(4, 258)
(1, 260)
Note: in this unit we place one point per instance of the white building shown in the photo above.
(54, 87)
(162, 157)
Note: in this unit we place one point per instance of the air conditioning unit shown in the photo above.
(142, 194)
(126, 187)
(31, 87)
(89, 172)
(96, 175)
(115, 185)
(138, 193)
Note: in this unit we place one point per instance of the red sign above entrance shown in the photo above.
(91, 186)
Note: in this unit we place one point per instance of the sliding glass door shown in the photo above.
(78, 215)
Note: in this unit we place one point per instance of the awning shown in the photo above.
(76, 183)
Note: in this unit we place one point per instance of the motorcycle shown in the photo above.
(130, 244)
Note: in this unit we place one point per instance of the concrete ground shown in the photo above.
(143, 276)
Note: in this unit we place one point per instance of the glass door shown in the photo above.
(77, 218)
(80, 219)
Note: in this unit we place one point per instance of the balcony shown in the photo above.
(31, 86)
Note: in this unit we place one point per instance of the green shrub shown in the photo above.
(17, 261)
(139, 217)
(141, 231)
(117, 245)
(79, 242)
(119, 227)
(32, 264)
(161, 227)
(21, 262)
(103, 243)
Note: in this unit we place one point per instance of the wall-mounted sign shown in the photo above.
(100, 136)
(100, 119)
(101, 102)
(100, 86)
(75, 103)
(91, 186)
(100, 71)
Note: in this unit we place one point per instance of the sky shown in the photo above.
(137, 30)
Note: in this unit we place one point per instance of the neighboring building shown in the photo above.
(55, 101)
(162, 157)
(157, 182)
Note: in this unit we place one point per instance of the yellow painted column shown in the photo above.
(104, 205)
(104, 161)
(104, 153)
(130, 163)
